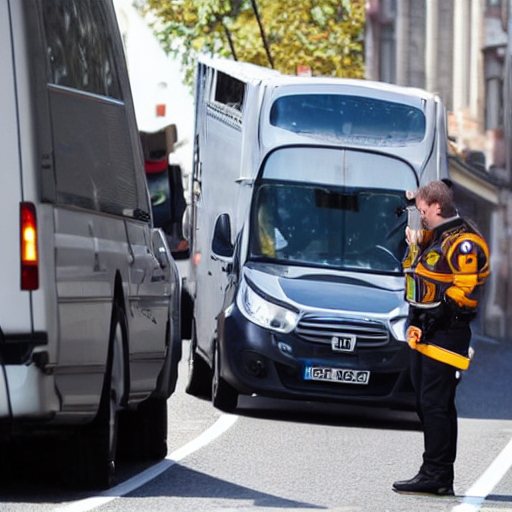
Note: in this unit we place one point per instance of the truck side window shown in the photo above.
(229, 91)
(79, 48)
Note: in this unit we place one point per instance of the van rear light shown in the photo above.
(28, 247)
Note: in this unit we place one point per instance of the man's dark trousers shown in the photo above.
(435, 384)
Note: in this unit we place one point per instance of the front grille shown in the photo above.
(321, 329)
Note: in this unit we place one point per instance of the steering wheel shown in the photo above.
(388, 252)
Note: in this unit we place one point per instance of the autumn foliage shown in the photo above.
(324, 35)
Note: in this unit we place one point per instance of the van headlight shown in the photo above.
(257, 308)
(398, 328)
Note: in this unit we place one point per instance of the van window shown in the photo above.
(94, 135)
(340, 167)
(229, 91)
(94, 159)
(338, 227)
(355, 119)
(79, 48)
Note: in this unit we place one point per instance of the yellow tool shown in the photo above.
(433, 351)
(444, 355)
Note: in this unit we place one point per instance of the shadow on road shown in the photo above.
(182, 482)
(178, 482)
(328, 414)
(41, 472)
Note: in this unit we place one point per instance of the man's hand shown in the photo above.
(413, 236)
(413, 336)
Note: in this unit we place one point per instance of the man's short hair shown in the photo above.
(438, 192)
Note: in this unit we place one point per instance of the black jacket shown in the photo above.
(444, 276)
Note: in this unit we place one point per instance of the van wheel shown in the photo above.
(142, 433)
(97, 442)
(224, 396)
(199, 374)
(9, 464)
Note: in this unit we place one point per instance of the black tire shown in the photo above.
(187, 314)
(8, 464)
(224, 396)
(143, 433)
(95, 444)
(199, 373)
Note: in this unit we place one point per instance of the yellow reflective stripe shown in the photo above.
(460, 298)
(430, 295)
(466, 283)
(446, 278)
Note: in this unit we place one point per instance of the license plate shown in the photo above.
(340, 375)
(344, 343)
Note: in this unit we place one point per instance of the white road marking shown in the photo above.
(476, 494)
(225, 422)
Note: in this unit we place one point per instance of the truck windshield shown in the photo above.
(324, 226)
(355, 119)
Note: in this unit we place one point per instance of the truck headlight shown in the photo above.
(398, 328)
(263, 312)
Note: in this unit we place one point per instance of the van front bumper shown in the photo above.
(258, 361)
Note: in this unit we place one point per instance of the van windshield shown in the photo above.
(324, 226)
(354, 119)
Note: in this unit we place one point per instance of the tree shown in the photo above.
(325, 35)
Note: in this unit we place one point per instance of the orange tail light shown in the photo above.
(28, 247)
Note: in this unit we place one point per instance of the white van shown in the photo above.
(90, 296)
(299, 196)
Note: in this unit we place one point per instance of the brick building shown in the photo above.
(458, 50)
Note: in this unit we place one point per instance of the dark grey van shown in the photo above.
(299, 195)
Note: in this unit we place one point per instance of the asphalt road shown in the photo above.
(276, 455)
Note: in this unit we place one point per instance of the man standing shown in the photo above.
(445, 267)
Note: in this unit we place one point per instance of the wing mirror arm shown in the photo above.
(222, 246)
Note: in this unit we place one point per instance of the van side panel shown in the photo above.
(218, 179)
(148, 311)
(84, 293)
(14, 304)
(95, 173)
(99, 234)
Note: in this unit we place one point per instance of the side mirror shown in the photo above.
(161, 248)
(221, 243)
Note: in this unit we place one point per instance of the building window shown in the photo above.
(493, 8)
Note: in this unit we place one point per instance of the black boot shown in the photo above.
(423, 484)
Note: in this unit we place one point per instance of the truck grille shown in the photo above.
(321, 329)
